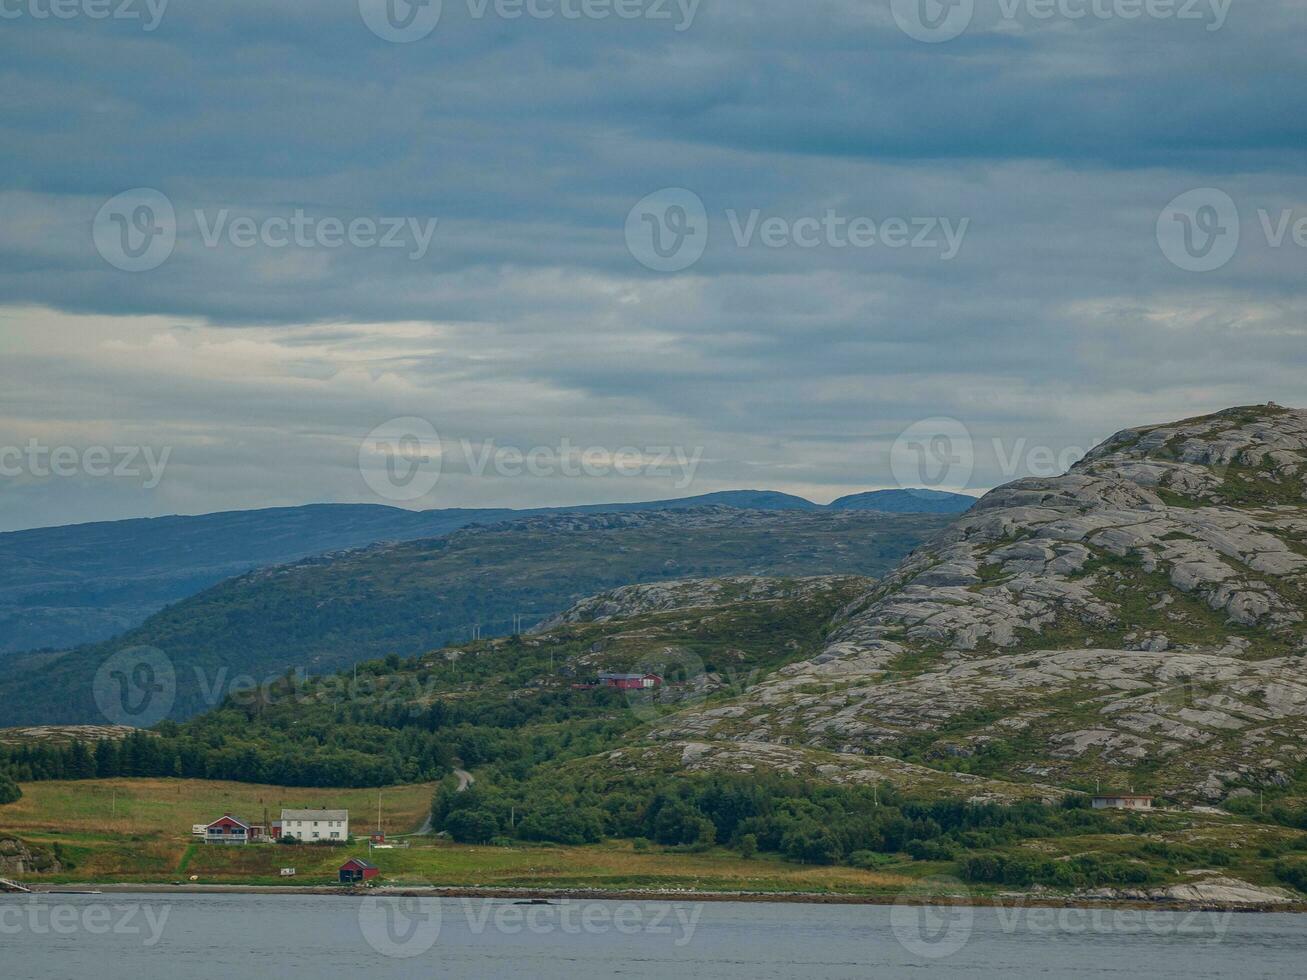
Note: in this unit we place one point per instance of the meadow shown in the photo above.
(138, 830)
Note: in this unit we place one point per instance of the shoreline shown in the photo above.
(1009, 900)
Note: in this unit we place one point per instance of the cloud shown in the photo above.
(527, 320)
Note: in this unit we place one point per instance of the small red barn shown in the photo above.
(356, 870)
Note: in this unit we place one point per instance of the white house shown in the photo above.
(314, 825)
(1122, 801)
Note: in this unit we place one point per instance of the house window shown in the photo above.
(334, 834)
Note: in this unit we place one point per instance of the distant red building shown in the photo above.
(630, 682)
(356, 870)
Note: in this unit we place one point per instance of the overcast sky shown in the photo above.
(238, 237)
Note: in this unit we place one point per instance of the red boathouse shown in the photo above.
(356, 870)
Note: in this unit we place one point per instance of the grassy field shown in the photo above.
(138, 830)
(168, 807)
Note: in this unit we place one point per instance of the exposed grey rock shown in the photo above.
(1192, 596)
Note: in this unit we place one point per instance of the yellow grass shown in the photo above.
(168, 807)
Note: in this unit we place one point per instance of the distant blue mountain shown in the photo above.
(906, 502)
(61, 587)
(743, 499)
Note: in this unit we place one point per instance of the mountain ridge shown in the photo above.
(325, 612)
(73, 584)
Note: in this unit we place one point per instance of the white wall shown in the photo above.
(337, 830)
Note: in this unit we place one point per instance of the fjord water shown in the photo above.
(298, 937)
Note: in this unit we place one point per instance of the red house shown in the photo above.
(228, 830)
(630, 682)
(356, 870)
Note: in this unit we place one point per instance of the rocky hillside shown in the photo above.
(1138, 621)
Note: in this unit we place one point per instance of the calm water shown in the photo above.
(291, 937)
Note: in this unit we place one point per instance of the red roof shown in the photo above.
(230, 819)
(357, 864)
